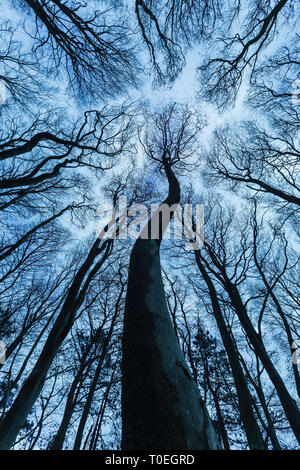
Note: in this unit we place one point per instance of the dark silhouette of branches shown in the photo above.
(262, 161)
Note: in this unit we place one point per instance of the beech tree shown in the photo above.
(230, 273)
(92, 45)
(108, 343)
(245, 400)
(152, 359)
(240, 53)
(264, 162)
(30, 390)
(171, 28)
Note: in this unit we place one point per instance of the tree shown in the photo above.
(92, 45)
(241, 51)
(152, 359)
(94, 350)
(245, 400)
(209, 365)
(249, 158)
(30, 390)
(230, 271)
(204, 343)
(275, 87)
(171, 28)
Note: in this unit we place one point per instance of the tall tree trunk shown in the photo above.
(284, 321)
(84, 367)
(88, 403)
(58, 441)
(100, 417)
(13, 384)
(221, 423)
(251, 427)
(161, 404)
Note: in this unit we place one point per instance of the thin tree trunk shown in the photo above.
(58, 441)
(284, 321)
(288, 403)
(260, 393)
(98, 425)
(221, 423)
(89, 400)
(13, 384)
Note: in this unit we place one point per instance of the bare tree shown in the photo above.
(152, 359)
(230, 270)
(93, 46)
(239, 52)
(31, 388)
(255, 159)
(170, 29)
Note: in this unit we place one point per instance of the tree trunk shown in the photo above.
(161, 404)
(58, 441)
(284, 321)
(100, 417)
(260, 393)
(221, 423)
(92, 389)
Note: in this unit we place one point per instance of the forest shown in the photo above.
(149, 234)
